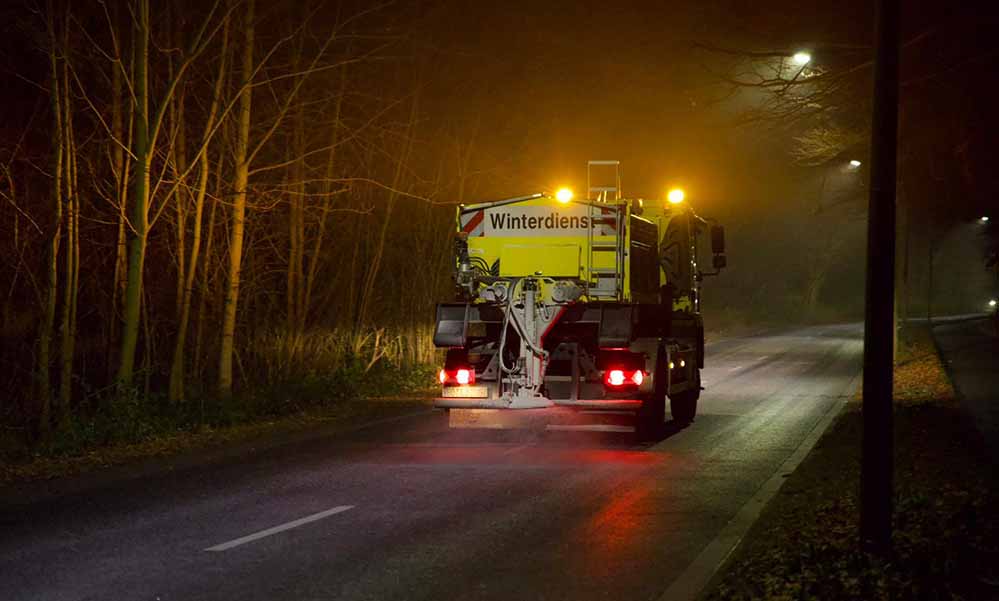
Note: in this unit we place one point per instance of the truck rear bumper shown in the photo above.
(551, 418)
(594, 404)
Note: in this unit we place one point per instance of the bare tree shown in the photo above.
(72, 253)
(187, 274)
(148, 124)
(56, 96)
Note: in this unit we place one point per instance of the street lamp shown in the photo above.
(854, 163)
(984, 219)
(801, 58)
(675, 196)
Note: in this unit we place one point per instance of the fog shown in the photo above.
(546, 87)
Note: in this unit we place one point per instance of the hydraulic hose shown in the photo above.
(509, 316)
(506, 323)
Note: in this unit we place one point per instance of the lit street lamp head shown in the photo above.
(984, 219)
(675, 196)
(854, 163)
(801, 58)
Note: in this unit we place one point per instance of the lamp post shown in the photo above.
(877, 461)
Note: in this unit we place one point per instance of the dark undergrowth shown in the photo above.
(120, 423)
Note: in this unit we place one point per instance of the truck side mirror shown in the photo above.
(717, 240)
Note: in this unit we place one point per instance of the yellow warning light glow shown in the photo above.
(564, 195)
(675, 196)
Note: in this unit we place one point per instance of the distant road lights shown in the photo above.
(854, 164)
(801, 58)
(675, 196)
(564, 195)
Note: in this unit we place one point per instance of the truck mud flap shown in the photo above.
(615, 325)
(451, 330)
(453, 319)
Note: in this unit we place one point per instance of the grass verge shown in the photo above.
(946, 522)
(127, 429)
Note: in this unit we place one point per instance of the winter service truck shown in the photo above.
(576, 305)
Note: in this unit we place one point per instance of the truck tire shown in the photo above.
(683, 405)
(651, 418)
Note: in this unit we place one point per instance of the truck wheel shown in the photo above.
(683, 405)
(652, 416)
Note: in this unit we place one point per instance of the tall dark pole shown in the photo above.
(879, 323)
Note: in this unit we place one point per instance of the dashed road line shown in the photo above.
(280, 528)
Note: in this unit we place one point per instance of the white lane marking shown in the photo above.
(281, 528)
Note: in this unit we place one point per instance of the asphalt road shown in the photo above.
(410, 510)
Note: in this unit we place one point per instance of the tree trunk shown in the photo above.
(294, 190)
(177, 365)
(240, 181)
(203, 296)
(902, 259)
(137, 234)
(52, 264)
(120, 168)
(180, 202)
(68, 326)
(929, 276)
(178, 162)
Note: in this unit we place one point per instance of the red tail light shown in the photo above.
(457, 377)
(618, 378)
(615, 377)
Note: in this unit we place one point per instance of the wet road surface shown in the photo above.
(408, 509)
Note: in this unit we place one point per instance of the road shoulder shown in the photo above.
(49, 478)
(697, 576)
(946, 518)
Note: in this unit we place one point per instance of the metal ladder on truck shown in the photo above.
(605, 283)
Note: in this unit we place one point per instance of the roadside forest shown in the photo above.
(216, 211)
(212, 200)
